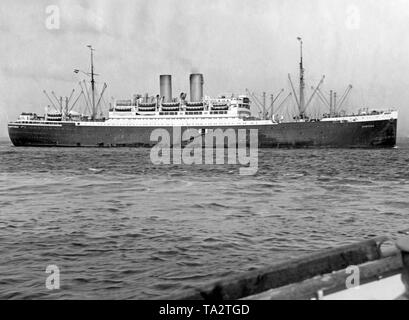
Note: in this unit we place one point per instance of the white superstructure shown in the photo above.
(220, 111)
(363, 117)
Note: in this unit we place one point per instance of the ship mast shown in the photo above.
(93, 116)
(90, 99)
(302, 83)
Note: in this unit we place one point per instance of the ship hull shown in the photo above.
(368, 134)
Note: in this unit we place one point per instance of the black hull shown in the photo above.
(370, 134)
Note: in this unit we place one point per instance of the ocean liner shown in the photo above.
(131, 122)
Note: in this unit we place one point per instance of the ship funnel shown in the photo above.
(196, 87)
(165, 81)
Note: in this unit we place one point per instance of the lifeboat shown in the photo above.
(123, 108)
(194, 106)
(147, 106)
(220, 106)
(123, 102)
(54, 116)
(170, 106)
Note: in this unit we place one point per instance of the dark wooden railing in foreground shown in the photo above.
(323, 285)
(303, 277)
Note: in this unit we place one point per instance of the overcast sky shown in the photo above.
(236, 44)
